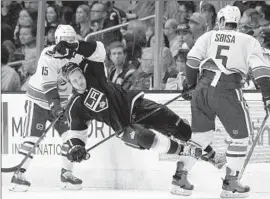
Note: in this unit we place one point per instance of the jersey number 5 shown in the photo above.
(220, 56)
(44, 70)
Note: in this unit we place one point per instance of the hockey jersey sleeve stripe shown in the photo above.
(194, 58)
(193, 63)
(260, 72)
(36, 94)
(49, 86)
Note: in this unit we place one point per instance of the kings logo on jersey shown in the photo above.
(96, 101)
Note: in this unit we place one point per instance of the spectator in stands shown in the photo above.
(101, 19)
(31, 6)
(10, 13)
(264, 12)
(263, 36)
(11, 49)
(50, 38)
(210, 14)
(10, 80)
(251, 18)
(170, 30)
(244, 5)
(121, 70)
(66, 16)
(174, 77)
(25, 19)
(83, 20)
(52, 17)
(197, 24)
(6, 32)
(186, 36)
(28, 41)
(185, 10)
(134, 45)
(115, 13)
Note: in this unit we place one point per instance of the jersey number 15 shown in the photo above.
(219, 55)
(44, 70)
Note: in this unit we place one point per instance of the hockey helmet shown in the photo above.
(64, 31)
(68, 69)
(220, 14)
(231, 14)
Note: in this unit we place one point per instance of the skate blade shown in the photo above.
(18, 188)
(69, 186)
(176, 190)
(230, 194)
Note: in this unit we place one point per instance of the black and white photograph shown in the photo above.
(157, 99)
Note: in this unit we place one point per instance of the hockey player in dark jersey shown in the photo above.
(96, 98)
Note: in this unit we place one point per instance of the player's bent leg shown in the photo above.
(237, 123)
(34, 127)
(188, 157)
(204, 139)
(142, 138)
(68, 180)
(191, 153)
(236, 153)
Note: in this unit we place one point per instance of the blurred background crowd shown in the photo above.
(130, 49)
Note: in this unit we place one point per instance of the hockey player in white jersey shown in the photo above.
(45, 93)
(223, 58)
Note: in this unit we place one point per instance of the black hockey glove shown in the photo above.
(57, 110)
(187, 90)
(76, 151)
(266, 101)
(65, 49)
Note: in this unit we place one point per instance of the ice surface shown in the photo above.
(206, 178)
(87, 193)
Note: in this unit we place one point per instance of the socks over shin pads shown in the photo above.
(236, 154)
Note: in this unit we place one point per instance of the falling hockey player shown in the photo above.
(96, 98)
(223, 58)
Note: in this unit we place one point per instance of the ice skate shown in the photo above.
(69, 181)
(180, 183)
(218, 160)
(18, 182)
(232, 188)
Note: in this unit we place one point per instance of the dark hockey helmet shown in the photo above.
(67, 69)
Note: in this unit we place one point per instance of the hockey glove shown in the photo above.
(187, 90)
(57, 110)
(65, 49)
(76, 151)
(266, 101)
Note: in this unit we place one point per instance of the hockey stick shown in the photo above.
(15, 168)
(142, 118)
(253, 145)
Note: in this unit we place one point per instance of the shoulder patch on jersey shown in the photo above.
(96, 101)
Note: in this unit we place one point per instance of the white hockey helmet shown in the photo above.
(64, 31)
(231, 14)
(220, 14)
